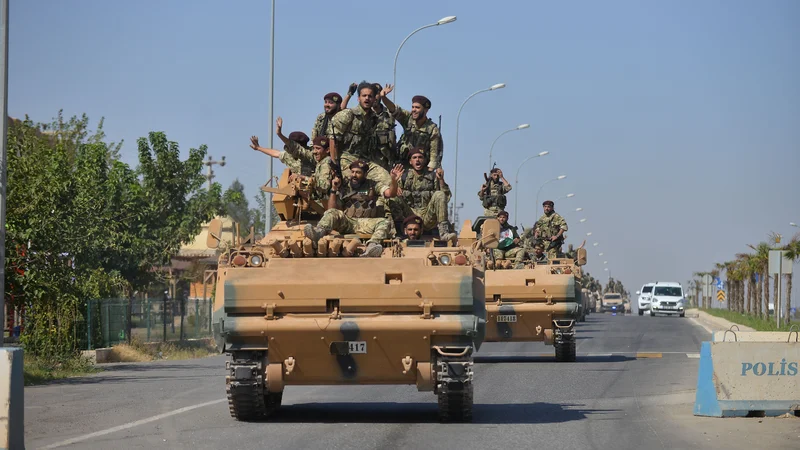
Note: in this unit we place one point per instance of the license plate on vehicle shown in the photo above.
(357, 346)
(507, 318)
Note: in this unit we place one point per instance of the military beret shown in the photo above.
(322, 141)
(299, 137)
(359, 164)
(422, 100)
(539, 246)
(412, 219)
(333, 96)
(495, 169)
(548, 202)
(415, 151)
(502, 213)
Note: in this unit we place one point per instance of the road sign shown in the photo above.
(718, 282)
(778, 263)
(721, 295)
(706, 283)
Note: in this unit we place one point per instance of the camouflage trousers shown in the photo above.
(553, 252)
(492, 212)
(375, 172)
(516, 253)
(336, 220)
(432, 214)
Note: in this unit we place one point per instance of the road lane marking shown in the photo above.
(693, 355)
(648, 355)
(133, 424)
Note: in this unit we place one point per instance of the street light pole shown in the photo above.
(268, 225)
(516, 179)
(521, 127)
(560, 177)
(441, 21)
(458, 118)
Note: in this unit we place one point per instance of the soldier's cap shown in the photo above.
(412, 219)
(494, 170)
(378, 86)
(548, 202)
(538, 246)
(299, 137)
(333, 96)
(502, 213)
(322, 141)
(422, 100)
(414, 151)
(359, 164)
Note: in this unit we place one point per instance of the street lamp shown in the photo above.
(441, 21)
(516, 179)
(600, 254)
(596, 244)
(458, 118)
(794, 224)
(560, 177)
(582, 220)
(566, 196)
(491, 149)
(578, 209)
(589, 233)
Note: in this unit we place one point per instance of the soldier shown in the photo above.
(423, 192)
(355, 133)
(550, 228)
(323, 126)
(356, 208)
(319, 155)
(384, 131)
(493, 192)
(412, 227)
(418, 130)
(297, 140)
(539, 256)
(509, 246)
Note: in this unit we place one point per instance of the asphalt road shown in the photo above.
(632, 387)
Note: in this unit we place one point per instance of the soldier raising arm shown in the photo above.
(493, 193)
(418, 129)
(297, 140)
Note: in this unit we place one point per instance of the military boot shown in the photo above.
(445, 234)
(313, 233)
(490, 264)
(373, 250)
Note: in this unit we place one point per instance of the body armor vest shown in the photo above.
(495, 197)
(361, 203)
(418, 190)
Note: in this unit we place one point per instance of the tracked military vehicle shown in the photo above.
(290, 312)
(538, 303)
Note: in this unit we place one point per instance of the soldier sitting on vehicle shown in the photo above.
(550, 228)
(357, 208)
(412, 227)
(297, 140)
(493, 192)
(418, 130)
(423, 192)
(509, 247)
(539, 256)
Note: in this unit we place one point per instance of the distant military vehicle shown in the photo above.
(613, 302)
(289, 312)
(538, 303)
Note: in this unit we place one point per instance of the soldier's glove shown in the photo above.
(352, 89)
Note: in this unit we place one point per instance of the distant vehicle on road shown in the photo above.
(613, 303)
(667, 298)
(644, 297)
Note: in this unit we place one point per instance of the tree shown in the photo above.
(792, 253)
(236, 207)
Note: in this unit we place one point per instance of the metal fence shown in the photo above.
(118, 320)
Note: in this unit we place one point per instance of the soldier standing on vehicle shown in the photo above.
(355, 132)
(319, 155)
(384, 131)
(418, 130)
(357, 207)
(493, 192)
(423, 192)
(297, 140)
(550, 228)
(509, 246)
(323, 125)
(412, 227)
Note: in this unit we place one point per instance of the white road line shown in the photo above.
(693, 355)
(132, 424)
(597, 355)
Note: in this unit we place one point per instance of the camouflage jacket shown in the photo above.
(362, 201)
(417, 189)
(322, 126)
(354, 130)
(296, 157)
(321, 172)
(548, 226)
(497, 194)
(426, 136)
(386, 139)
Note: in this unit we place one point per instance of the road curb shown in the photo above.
(12, 419)
(714, 323)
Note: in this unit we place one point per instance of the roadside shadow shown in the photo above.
(419, 413)
(497, 359)
(118, 373)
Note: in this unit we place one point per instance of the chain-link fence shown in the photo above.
(117, 320)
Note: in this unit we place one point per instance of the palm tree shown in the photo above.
(701, 300)
(748, 278)
(793, 254)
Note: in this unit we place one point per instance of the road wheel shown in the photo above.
(652, 313)
(565, 351)
(683, 314)
(456, 405)
(641, 313)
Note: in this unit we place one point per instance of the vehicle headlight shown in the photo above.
(256, 260)
(444, 259)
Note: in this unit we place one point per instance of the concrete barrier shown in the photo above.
(757, 375)
(11, 399)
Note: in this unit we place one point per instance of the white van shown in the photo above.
(644, 297)
(667, 298)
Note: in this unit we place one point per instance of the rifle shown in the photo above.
(488, 189)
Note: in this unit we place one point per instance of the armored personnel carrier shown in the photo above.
(538, 303)
(290, 312)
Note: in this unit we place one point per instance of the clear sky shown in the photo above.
(677, 123)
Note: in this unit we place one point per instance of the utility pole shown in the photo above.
(454, 213)
(268, 225)
(3, 163)
(210, 173)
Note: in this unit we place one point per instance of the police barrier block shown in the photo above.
(736, 379)
(11, 399)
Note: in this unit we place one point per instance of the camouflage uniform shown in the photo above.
(495, 201)
(422, 196)
(362, 213)
(427, 137)
(321, 172)
(509, 250)
(548, 227)
(387, 139)
(322, 126)
(297, 164)
(355, 132)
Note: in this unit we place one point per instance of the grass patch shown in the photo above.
(753, 322)
(40, 370)
(138, 351)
